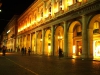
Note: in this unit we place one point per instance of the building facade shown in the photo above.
(10, 34)
(72, 25)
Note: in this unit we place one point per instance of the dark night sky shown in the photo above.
(10, 8)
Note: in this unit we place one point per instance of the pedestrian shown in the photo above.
(29, 51)
(22, 50)
(3, 50)
(25, 51)
(60, 52)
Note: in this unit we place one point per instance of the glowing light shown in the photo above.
(19, 30)
(96, 50)
(79, 0)
(59, 37)
(0, 10)
(74, 49)
(8, 31)
(38, 19)
(40, 39)
(25, 27)
(49, 50)
(69, 3)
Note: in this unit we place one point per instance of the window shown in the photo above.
(41, 12)
(96, 27)
(78, 29)
(30, 20)
(60, 4)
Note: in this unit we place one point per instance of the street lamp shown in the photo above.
(0, 5)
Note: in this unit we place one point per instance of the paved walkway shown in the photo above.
(16, 64)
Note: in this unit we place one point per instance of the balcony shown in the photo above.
(48, 18)
(59, 13)
(74, 6)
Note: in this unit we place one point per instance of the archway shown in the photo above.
(75, 39)
(59, 33)
(47, 50)
(39, 43)
(33, 43)
(94, 37)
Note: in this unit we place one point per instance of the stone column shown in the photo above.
(84, 38)
(31, 41)
(53, 1)
(36, 42)
(70, 44)
(58, 5)
(44, 9)
(52, 40)
(43, 41)
(90, 43)
(65, 39)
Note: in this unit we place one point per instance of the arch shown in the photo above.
(95, 18)
(72, 25)
(59, 34)
(71, 41)
(33, 43)
(39, 42)
(47, 49)
(92, 39)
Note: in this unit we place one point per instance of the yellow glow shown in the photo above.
(19, 30)
(40, 39)
(55, 10)
(38, 19)
(80, 0)
(46, 15)
(49, 50)
(59, 37)
(25, 27)
(74, 56)
(74, 49)
(69, 2)
(96, 50)
(28, 25)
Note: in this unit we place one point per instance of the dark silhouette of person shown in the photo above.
(3, 50)
(60, 52)
(22, 50)
(25, 51)
(29, 51)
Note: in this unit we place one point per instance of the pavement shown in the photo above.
(18, 64)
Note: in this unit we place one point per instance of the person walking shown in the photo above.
(29, 51)
(60, 52)
(3, 50)
(25, 51)
(22, 50)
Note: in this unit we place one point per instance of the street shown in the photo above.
(16, 64)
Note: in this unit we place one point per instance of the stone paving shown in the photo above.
(16, 64)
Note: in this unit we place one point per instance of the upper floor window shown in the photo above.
(60, 4)
(41, 13)
(49, 9)
(96, 27)
(35, 17)
(29, 19)
(79, 30)
(69, 2)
